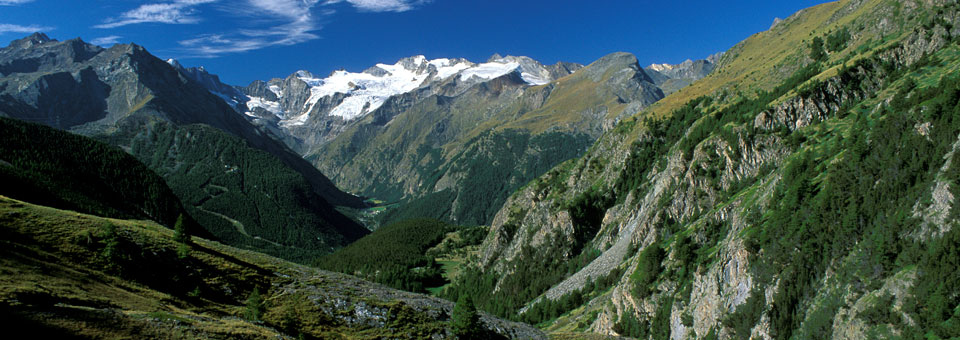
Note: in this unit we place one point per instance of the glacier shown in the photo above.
(366, 91)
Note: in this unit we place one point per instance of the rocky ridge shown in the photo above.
(672, 77)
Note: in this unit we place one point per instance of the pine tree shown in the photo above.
(111, 247)
(255, 306)
(465, 322)
(182, 237)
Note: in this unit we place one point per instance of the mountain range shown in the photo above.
(421, 132)
(800, 185)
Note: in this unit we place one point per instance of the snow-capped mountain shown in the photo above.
(352, 95)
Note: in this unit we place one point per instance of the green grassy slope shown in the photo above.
(71, 275)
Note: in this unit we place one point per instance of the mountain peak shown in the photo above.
(715, 58)
(776, 21)
(306, 74)
(672, 77)
(514, 58)
(174, 63)
(34, 39)
(413, 63)
(618, 58)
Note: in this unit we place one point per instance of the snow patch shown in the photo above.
(270, 106)
(489, 70)
(276, 90)
(227, 99)
(366, 92)
(535, 79)
(661, 67)
(446, 68)
(296, 121)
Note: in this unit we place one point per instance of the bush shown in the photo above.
(837, 41)
(816, 50)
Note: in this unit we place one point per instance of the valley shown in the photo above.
(799, 185)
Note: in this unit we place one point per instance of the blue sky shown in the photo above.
(244, 40)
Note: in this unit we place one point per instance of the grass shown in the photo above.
(42, 283)
(451, 257)
(755, 63)
(450, 267)
(55, 280)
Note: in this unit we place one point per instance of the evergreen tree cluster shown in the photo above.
(47, 166)
(244, 196)
(394, 255)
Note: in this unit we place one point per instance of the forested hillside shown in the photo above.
(394, 255)
(805, 189)
(243, 196)
(46, 166)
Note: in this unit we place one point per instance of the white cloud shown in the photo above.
(13, 2)
(284, 8)
(177, 12)
(288, 22)
(10, 28)
(383, 5)
(108, 40)
(265, 22)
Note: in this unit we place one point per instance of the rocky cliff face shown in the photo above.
(660, 230)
